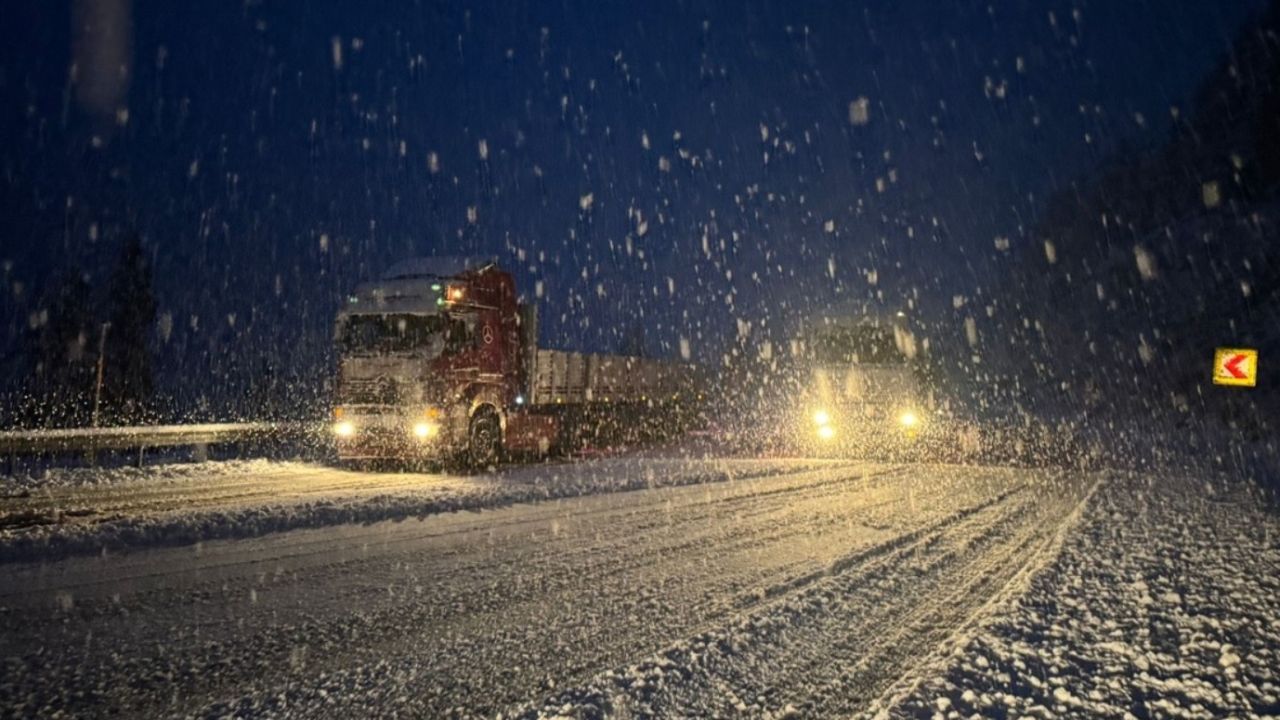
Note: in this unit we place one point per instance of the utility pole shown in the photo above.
(97, 390)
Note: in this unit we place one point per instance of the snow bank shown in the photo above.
(177, 472)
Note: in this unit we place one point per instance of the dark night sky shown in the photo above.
(267, 177)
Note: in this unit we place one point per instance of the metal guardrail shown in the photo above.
(88, 440)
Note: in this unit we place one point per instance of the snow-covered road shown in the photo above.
(779, 587)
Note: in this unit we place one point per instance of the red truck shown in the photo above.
(439, 360)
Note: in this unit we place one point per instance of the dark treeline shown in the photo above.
(86, 356)
(1134, 274)
(92, 346)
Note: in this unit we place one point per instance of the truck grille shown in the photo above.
(373, 391)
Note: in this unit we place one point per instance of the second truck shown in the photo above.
(439, 360)
(857, 387)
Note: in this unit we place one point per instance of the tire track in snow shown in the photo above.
(1044, 551)
(826, 648)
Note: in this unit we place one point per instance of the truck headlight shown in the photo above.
(424, 430)
(826, 432)
(908, 419)
(344, 428)
(822, 417)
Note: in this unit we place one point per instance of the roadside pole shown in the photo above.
(97, 388)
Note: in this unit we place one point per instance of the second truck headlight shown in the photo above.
(822, 419)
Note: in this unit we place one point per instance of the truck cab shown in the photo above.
(858, 390)
(429, 362)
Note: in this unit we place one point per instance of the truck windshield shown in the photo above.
(867, 345)
(431, 335)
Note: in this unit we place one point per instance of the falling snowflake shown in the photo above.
(1146, 262)
(860, 111)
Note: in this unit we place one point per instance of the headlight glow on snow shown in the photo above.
(346, 428)
(826, 432)
(821, 417)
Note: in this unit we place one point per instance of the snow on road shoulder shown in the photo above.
(94, 511)
(1164, 602)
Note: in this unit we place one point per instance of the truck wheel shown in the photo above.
(484, 438)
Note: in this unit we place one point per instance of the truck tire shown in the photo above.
(484, 440)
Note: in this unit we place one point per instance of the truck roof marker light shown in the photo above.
(519, 399)
(435, 287)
